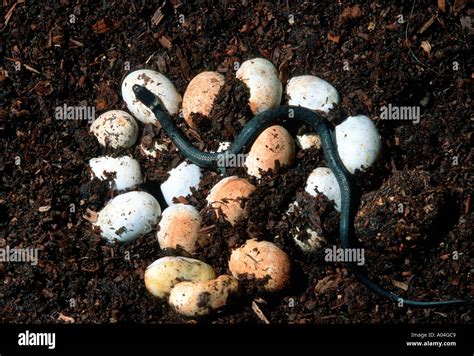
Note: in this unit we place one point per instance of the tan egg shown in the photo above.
(227, 195)
(274, 144)
(179, 225)
(261, 259)
(200, 94)
(163, 274)
(200, 298)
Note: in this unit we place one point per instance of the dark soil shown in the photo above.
(363, 50)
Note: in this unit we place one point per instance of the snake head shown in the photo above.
(148, 99)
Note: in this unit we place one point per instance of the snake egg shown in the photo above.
(124, 172)
(115, 128)
(159, 85)
(261, 260)
(261, 77)
(324, 181)
(180, 181)
(200, 94)
(358, 142)
(200, 298)
(227, 197)
(128, 216)
(273, 144)
(163, 274)
(179, 226)
(312, 92)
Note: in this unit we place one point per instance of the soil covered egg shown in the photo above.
(358, 142)
(115, 128)
(261, 77)
(200, 94)
(262, 260)
(227, 196)
(163, 274)
(127, 216)
(159, 85)
(273, 144)
(324, 181)
(312, 92)
(180, 225)
(200, 298)
(124, 172)
(180, 181)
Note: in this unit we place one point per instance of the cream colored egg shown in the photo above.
(115, 128)
(179, 226)
(273, 144)
(159, 85)
(261, 77)
(227, 196)
(195, 299)
(262, 260)
(163, 274)
(200, 94)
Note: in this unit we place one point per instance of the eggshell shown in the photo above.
(312, 243)
(261, 77)
(312, 92)
(159, 85)
(358, 142)
(180, 181)
(115, 128)
(262, 259)
(227, 195)
(180, 225)
(125, 171)
(163, 274)
(200, 298)
(273, 144)
(127, 216)
(326, 183)
(309, 140)
(200, 94)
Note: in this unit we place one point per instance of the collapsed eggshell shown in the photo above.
(312, 92)
(309, 140)
(180, 181)
(127, 216)
(324, 180)
(261, 77)
(261, 259)
(200, 94)
(358, 142)
(180, 225)
(227, 196)
(200, 298)
(124, 171)
(273, 144)
(159, 85)
(311, 243)
(163, 274)
(115, 128)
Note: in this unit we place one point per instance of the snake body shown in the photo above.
(242, 143)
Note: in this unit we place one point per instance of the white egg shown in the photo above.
(128, 216)
(115, 128)
(124, 172)
(180, 181)
(324, 180)
(159, 85)
(261, 77)
(312, 92)
(358, 142)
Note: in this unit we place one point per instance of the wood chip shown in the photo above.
(442, 5)
(44, 209)
(427, 24)
(157, 17)
(66, 318)
(31, 69)
(259, 313)
(165, 42)
(333, 38)
(426, 47)
(401, 285)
